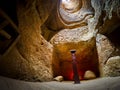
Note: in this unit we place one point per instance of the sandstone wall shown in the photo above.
(31, 58)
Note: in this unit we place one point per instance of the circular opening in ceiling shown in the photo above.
(71, 5)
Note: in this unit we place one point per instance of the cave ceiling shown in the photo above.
(70, 13)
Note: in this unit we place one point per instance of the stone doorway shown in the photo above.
(86, 54)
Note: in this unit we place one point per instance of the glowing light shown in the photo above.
(70, 4)
(71, 75)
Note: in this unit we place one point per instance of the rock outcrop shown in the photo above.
(105, 49)
(112, 67)
(89, 75)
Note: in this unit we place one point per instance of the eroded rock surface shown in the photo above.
(84, 43)
(89, 75)
(112, 67)
(32, 56)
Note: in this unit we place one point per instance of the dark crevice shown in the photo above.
(9, 7)
(115, 37)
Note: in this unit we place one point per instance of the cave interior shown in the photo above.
(36, 37)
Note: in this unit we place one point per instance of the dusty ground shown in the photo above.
(109, 83)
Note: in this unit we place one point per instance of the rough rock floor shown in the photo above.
(108, 83)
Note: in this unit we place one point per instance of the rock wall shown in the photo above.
(31, 58)
(105, 50)
(105, 21)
